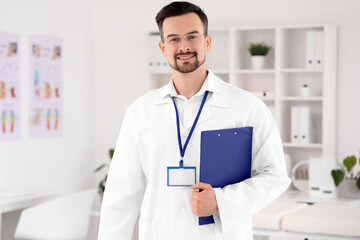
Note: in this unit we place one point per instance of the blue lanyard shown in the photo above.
(182, 150)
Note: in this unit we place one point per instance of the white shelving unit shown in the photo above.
(284, 73)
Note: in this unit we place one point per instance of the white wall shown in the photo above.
(64, 163)
(121, 27)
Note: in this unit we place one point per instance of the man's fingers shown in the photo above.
(194, 194)
(201, 185)
(194, 206)
(203, 203)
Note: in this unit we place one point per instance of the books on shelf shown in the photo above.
(314, 49)
(157, 63)
(300, 125)
(319, 49)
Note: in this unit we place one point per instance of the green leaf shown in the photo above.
(358, 183)
(349, 163)
(338, 176)
(258, 49)
(111, 153)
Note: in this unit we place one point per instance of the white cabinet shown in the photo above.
(284, 73)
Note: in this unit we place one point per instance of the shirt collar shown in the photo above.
(219, 89)
(208, 85)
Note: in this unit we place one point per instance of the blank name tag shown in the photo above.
(181, 177)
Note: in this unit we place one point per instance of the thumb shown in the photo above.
(201, 185)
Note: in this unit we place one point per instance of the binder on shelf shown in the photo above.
(304, 125)
(319, 49)
(157, 62)
(295, 118)
(315, 177)
(161, 62)
(153, 37)
(314, 49)
(300, 125)
(321, 183)
(310, 49)
(225, 158)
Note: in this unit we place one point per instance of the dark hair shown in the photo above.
(178, 9)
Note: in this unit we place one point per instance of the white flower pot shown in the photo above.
(257, 62)
(305, 91)
(348, 189)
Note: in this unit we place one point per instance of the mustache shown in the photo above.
(187, 53)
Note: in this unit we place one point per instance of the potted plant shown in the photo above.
(258, 51)
(350, 182)
(102, 183)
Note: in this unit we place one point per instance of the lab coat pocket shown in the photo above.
(147, 230)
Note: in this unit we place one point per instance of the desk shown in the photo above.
(19, 201)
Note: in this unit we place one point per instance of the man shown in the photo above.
(148, 143)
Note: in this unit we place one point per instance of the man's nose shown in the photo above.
(184, 45)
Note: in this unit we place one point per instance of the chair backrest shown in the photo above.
(66, 217)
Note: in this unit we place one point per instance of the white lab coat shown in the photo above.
(148, 144)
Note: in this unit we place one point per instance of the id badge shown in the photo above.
(181, 177)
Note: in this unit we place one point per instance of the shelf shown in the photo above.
(252, 71)
(299, 145)
(303, 26)
(300, 70)
(288, 98)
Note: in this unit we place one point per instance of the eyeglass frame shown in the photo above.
(182, 37)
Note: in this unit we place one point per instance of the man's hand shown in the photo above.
(203, 203)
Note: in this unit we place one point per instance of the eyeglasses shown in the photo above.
(191, 38)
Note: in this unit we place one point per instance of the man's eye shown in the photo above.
(192, 37)
(174, 40)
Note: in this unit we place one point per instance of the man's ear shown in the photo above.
(162, 48)
(207, 43)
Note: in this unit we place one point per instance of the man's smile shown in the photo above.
(185, 57)
(186, 62)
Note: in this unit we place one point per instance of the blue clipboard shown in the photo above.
(225, 158)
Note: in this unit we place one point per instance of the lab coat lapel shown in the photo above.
(219, 98)
(169, 111)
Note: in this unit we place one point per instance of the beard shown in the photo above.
(187, 66)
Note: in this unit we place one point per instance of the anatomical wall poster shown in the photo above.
(46, 87)
(10, 124)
